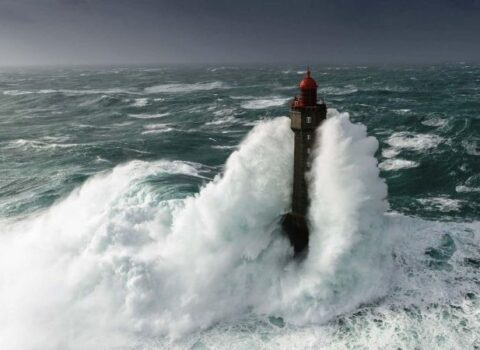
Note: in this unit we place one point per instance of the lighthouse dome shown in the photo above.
(308, 83)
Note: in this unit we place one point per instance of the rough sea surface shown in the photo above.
(140, 208)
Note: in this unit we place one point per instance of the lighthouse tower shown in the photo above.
(306, 115)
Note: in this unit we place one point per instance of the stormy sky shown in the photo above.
(64, 32)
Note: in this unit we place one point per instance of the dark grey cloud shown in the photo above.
(184, 31)
(9, 13)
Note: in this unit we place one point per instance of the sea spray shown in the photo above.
(350, 249)
(348, 197)
(350, 255)
(225, 249)
(66, 272)
(117, 260)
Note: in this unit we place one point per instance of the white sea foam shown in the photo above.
(472, 184)
(396, 164)
(157, 128)
(345, 90)
(55, 138)
(53, 91)
(16, 92)
(265, 103)
(41, 144)
(175, 88)
(149, 116)
(140, 102)
(436, 122)
(443, 204)
(224, 147)
(412, 141)
(222, 121)
(122, 124)
(243, 97)
(402, 111)
(390, 152)
(463, 189)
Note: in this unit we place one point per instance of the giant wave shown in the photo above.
(121, 261)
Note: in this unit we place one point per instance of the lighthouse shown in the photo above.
(306, 114)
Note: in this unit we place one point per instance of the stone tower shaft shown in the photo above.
(304, 123)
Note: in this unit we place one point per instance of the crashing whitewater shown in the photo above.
(122, 262)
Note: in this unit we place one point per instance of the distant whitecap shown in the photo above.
(149, 116)
(265, 103)
(175, 88)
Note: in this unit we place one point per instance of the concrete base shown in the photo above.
(295, 225)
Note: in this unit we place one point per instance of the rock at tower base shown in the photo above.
(295, 225)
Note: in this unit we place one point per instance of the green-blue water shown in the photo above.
(61, 128)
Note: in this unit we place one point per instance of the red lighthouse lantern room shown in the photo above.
(308, 92)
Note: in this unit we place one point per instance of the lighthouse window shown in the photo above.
(309, 120)
(308, 165)
(308, 150)
(309, 137)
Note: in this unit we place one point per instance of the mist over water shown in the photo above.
(126, 239)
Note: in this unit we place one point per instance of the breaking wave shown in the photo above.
(121, 259)
(412, 141)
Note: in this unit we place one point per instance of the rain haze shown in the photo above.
(69, 32)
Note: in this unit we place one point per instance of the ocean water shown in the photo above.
(140, 208)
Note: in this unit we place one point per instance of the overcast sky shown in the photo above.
(39, 32)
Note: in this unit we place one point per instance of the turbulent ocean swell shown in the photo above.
(147, 216)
